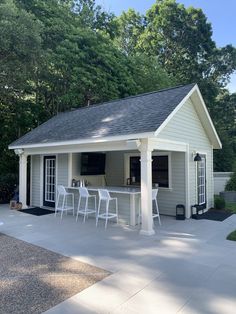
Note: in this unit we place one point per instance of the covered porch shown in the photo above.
(173, 185)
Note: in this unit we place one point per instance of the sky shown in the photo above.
(220, 13)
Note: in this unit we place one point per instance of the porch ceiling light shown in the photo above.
(197, 157)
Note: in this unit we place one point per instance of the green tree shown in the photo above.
(181, 38)
(130, 26)
(148, 74)
(20, 45)
(224, 113)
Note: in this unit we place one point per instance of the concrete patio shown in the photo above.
(186, 267)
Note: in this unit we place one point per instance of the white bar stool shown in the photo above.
(155, 211)
(84, 194)
(104, 196)
(63, 195)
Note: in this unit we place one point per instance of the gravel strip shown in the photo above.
(33, 279)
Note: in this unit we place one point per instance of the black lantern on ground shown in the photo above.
(197, 157)
(180, 212)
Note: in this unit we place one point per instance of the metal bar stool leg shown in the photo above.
(85, 209)
(107, 208)
(99, 205)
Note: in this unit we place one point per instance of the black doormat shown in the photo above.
(217, 215)
(37, 211)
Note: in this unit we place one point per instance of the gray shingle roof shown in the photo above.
(131, 115)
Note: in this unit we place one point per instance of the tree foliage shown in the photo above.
(180, 39)
(59, 54)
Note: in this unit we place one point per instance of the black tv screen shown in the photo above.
(92, 163)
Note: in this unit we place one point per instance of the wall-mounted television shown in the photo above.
(92, 164)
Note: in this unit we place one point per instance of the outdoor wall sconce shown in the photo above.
(19, 151)
(197, 157)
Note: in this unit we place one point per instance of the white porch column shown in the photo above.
(146, 188)
(22, 177)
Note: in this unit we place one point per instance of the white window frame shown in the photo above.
(42, 177)
(127, 166)
(47, 190)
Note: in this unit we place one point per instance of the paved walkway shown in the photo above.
(187, 267)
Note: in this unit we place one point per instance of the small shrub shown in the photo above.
(219, 202)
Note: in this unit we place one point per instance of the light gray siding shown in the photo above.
(62, 169)
(35, 180)
(115, 168)
(186, 127)
(169, 198)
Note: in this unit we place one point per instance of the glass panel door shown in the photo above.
(49, 180)
(201, 180)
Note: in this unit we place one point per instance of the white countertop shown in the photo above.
(113, 189)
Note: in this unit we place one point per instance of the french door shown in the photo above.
(201, 181)
(49, 181)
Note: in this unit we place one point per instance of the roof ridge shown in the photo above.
(128, 97)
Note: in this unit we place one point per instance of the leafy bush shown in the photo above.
(231, 184)
(7, 186)
(219, 202)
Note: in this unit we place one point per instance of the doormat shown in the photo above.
(214, 214)
(37, 211)
(33, 279)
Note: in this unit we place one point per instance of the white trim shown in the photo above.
(47, 177)
(41, 179)
(168, 145)
(127, 167)
(96, 147)
(69, 169)
(187, 187)
(56, 178)
(206, 179)
(87, 141)
(42, 176)
(31, 178)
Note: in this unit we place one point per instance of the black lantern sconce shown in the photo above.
(197, 157)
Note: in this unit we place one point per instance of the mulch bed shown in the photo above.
(37, 211)
(215, 214)
(33, 279)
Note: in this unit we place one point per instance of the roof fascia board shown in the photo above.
(87, 141)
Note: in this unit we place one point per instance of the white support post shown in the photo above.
(146, 188)
(70, 169)
(187, 185)
(22, 177)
